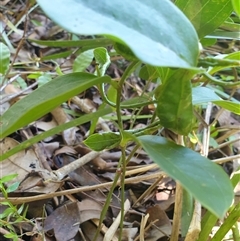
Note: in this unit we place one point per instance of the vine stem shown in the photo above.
(126, 73)
(123, 163)
(106, 205)
(220, 82)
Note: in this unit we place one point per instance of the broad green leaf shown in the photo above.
(205, 15)
(201, 95)
(4, 58)
(208, 41)
(102, 59)
(236, 7)
(101, 141)
(44, 99)
(174, 102)
(205, 180)
(147, 22)
(83, 60)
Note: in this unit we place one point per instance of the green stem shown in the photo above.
(106, 204)
(219, 82)
(123, 106)
(214, 62)
(207, 224)
(236, 232)
(228, 223)
(126, 73)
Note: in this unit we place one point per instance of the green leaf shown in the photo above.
(235, 57)
(101, 141)
(148, 72)
(13, 187)
(102, 59)
(145, 22)
(229, 105)
(89, 43)
(44, 99)
(219, 34)
(4, 58)
(236, 7)
(83, 60)
(174, 102)
(112, 94)
(4, 179)
(63, 54)
(21, 83)
(44, 78)
(205, 15)
(208, 41)
(201, 95)
(208, 222)
(228, 223)
(205, 180)
(138, 101)
(187, 212)
(75, 122)
(230, 25)
(125, 51)
(235, 179)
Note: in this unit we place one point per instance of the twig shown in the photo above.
(223, 144)
(177, 213)
(65, 170)
(226, 159)
(20, 200)
(8, 98)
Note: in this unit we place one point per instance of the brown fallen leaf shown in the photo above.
(31, 175)
(61, 117)
(160, 228)
(64, 221)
